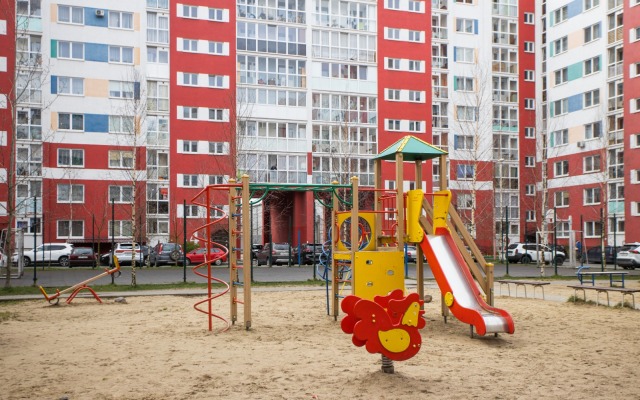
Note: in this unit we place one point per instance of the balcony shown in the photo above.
(614, 35)
(615, 137)
(438, 4)
(439, 33)
(615, 70)
(441, 92)
(440, 62)
(614, 4)
(615, 104)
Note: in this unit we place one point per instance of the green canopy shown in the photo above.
(412, 148)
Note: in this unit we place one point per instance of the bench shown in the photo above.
(606, 290)
(523, 283)
(611, 274)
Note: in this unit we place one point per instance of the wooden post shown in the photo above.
(377, 206)
(335, 234)
(400, 201)
(233, 259)
(246, 250)
(419, 256)
(443, 186)
(355, 242)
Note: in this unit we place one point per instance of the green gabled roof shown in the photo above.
(412, 148)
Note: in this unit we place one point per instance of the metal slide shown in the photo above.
(453, 276)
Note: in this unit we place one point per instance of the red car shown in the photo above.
(197, 256)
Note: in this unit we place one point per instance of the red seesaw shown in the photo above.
(75, 289)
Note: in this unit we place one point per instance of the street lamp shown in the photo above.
(113, 228)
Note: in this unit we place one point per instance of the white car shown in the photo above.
(124, 252)
(47, 252)
(529, 252)
(629, 256)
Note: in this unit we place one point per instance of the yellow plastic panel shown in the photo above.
(366, 230)
(441, 202)
(414, 208)
(378, 273)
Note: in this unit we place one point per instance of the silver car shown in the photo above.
(629, 256)
(47, 253)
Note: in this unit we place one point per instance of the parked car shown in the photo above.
(47, 252)
(593, 255)
(165, 253)
(308, 253)
(124, 252)
(629, 256)
(255, 248)
(82, 257)
(197, 256)
(528, 252)
(282, 253)
(411, 252)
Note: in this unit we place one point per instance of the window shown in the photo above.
(415, 126)
(191, 211)
(561, 75)
(561, 199)
(634, 105)
(415, 65)
(189, 11)
(529, 47)
(190, 45)
(415, 5)
(561, 168)
(529, 132)
(464, 54)
(465, 172)
(592, 164)
(70, 229)
(162, 4)
(392, 33)
(592, 229)
(529, 75)
(416, 96)
(157, 27)
(190, 112)
(463, 84)
(529, 161)
(593, 130)
(592, 98)
(121, 20)
(30, 8)
(121, 228)
(560, 107)
(393, 63)
(415, 36)
(589, 4)
(465, 201)
(463, 142)
(216, 14)
(634, 34)
(393, 4)
(121, 194)
(560, 15)
(157, 96)
(71, 15)
(529, 104)
(216, 48)
(464, 25)
(393, 94)
(69, 193)
(157, 55)
(120, 159)
(393, 125)
(530, 215)
(216, 114)
(189, 79)
(216, 179)
(592, 33)
(121, 124)
(71, 50)
(591, 196)
(121, 55)
(530, 190)
(592, 65)
(70, 86)
(70, 158)
(467, 113)
(71, 122)
(216, 81)
(121, 90)
(190, 181)
(560, 45)
(559, 137)
(189, 146)
(529, 18)
(217, 148)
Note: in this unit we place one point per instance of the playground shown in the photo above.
(157, 348)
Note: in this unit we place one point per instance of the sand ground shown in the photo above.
(160, 348)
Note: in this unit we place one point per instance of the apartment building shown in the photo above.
(586, 69)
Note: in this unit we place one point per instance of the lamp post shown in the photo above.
(615, 251)
(555, 235)
(184, 249)
(113, 228)
(34, 227)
